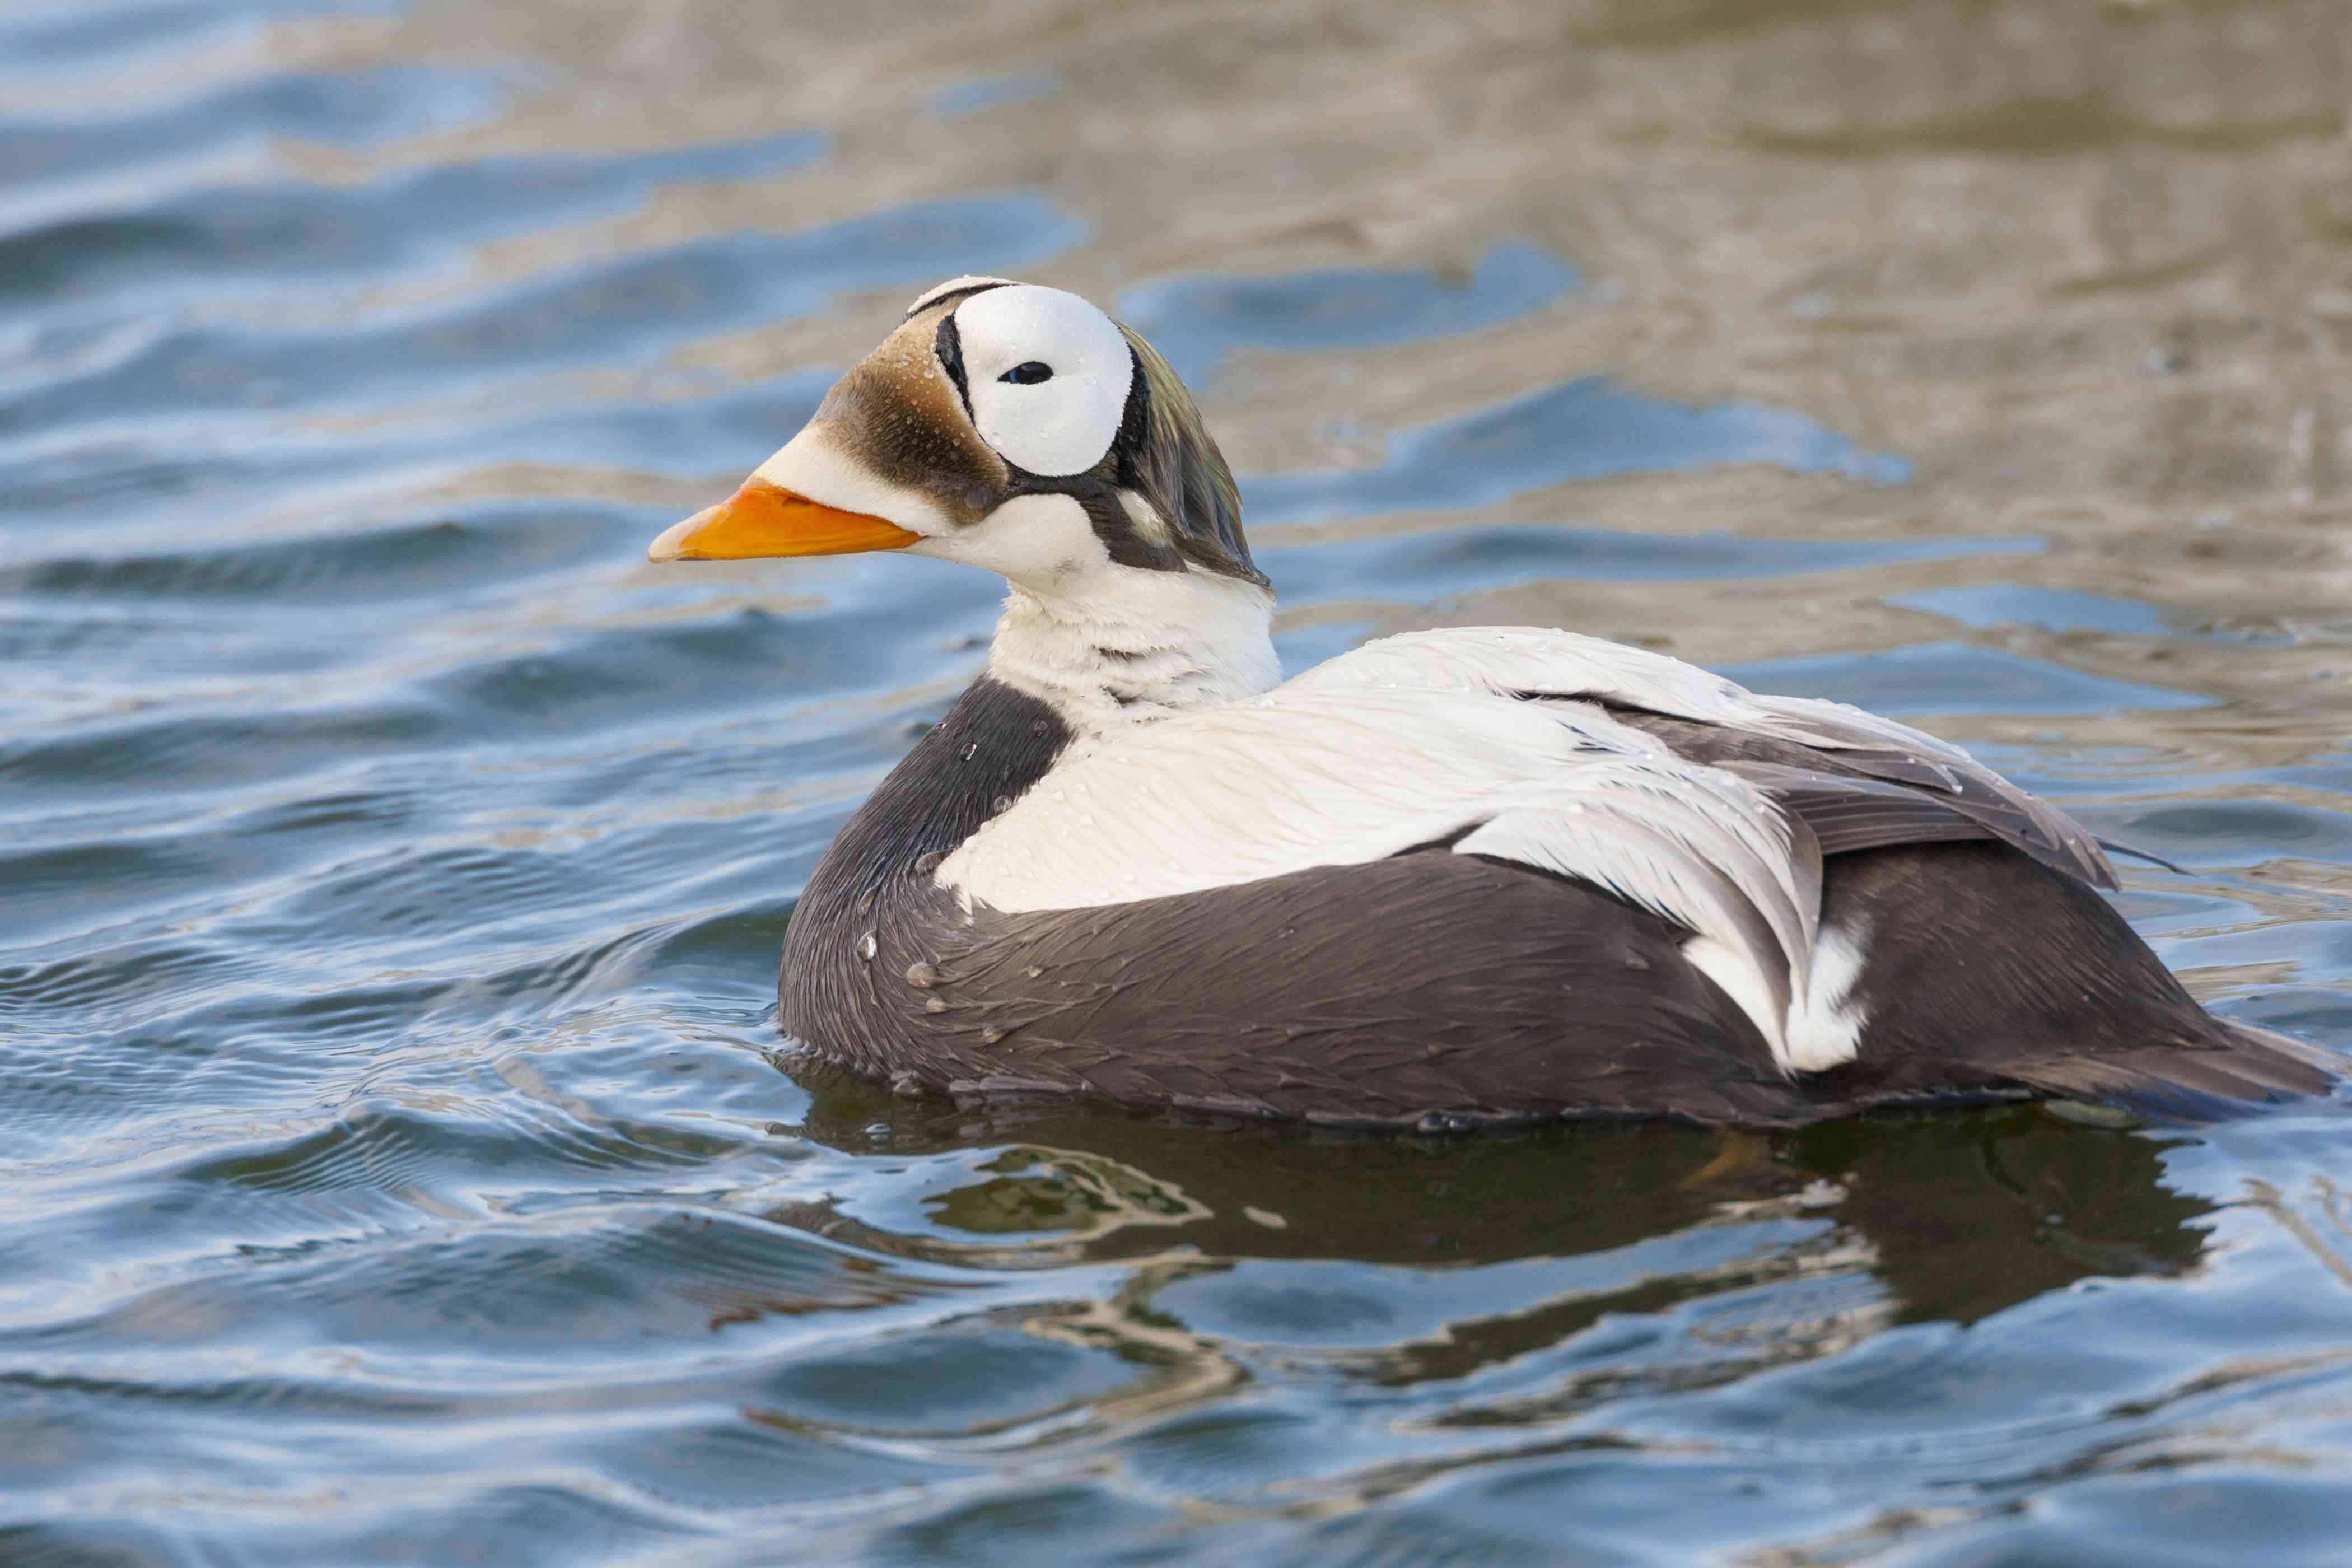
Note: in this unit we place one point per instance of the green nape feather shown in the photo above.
(1177, 468)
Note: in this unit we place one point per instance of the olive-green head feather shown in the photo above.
(1166, 455)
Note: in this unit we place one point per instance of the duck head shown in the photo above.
(1019, 428)
(1003, 425)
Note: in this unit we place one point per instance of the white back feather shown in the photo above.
(1526, 661)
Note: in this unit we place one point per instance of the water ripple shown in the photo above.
(402, 1164)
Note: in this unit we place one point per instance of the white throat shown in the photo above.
(1126, 646)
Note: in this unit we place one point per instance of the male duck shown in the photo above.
(1453, 877)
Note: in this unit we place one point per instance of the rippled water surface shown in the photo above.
(400, 1164)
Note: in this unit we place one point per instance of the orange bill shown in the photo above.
(763, 520)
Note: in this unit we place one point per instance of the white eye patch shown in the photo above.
(1048, 374)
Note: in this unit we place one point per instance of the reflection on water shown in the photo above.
(1954, 1217)
(401, 1161)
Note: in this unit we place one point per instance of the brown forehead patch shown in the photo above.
(896, 411)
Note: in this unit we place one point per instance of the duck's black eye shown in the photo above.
(1029, 373)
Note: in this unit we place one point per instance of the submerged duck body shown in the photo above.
(1452, 878)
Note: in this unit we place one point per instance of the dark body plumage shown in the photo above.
(1440, 989)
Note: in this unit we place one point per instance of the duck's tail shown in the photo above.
(2242, 1067)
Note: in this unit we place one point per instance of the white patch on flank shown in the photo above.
(1061, 424)
(1824, 1024)
(815, 465)
(1738, 975)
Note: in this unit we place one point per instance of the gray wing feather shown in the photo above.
(1857, 791)
(1702, 718)
(1847, 814)
(1881, 749)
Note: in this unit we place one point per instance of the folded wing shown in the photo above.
(1704, 718)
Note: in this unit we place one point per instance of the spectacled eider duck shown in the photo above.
(1453, 877)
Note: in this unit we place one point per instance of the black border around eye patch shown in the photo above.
(955, 296)
(949, 345)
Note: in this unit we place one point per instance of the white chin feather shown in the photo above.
(1041, 542)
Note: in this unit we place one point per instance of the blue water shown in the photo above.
(1195, 322)
(400, 1165)
(1583, 429)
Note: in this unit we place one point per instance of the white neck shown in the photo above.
(1134, 645)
